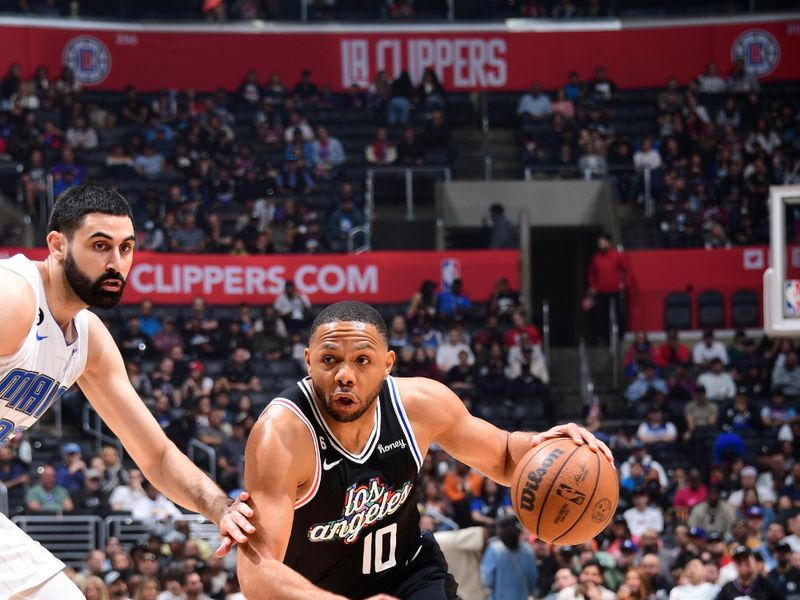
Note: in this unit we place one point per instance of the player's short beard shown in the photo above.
(349, 418)
(91, 292)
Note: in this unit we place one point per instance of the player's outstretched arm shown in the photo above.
(106, 385)
(17, 311)
(438, 415)
(279, 461)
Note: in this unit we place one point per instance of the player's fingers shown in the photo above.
(607, 451)
(224, 547)
(243, 523)
(575, 433)
(232, 529)
(243, 508)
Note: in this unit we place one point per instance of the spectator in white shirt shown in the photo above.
(718, 383)
(642, 516)
(639, 455)
(647, 157)
(154, 506)
(786, 375)
(292, 307)
(747, 479)
(81, 136)
(696, 586)
(710, 82)
(534, 105)
(589, 586)
(447, 353)
(125, 496)
(708, 349)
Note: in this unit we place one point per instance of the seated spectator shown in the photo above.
(400, 102)
(718, 383)
(297, 122)
(590, 584)
(230, 457)
(527, 359)
(504, 301)
(741, 80)
(123, 497)
(694, 586)
(295, 178)
(639, 455)
(70, 473)
(326, 155)
(655, 431)
(306, 90)
(238, 375)
(563, 106)
(463, 377)
(150, 164)
(713, 514)
(645, 383)
(700, 414)
(710, 82)
(534, 106)
(708, 349)
(423, 300)
(341, 223)
(738, 417)
(81, 136)
(410, 153)
(693, 493)
(14, 476)
(430, 92)
(447, 354)
(381, 151)
(786, 375)
(672, 352)
(250, 91)
(641, 352)
(91, 499)
(748, 481)
(777, 413)
(292, 307)
(47, 496)
(217, 430)
(452, 304)
(154, 505)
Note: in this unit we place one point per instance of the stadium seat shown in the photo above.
(710, 310)
(745, 309)
(678, 311)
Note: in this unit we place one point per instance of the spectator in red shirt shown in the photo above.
(694, 492)
(518, 326)
(606, 282)
(672, 353)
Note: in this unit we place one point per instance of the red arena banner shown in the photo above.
(467, 58)
(376, 277)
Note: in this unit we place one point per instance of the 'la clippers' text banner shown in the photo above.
(111, 56)
(652, 275)
(377, 277)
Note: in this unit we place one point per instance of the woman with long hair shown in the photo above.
(94, 589)
(636, 586)
(148, 589)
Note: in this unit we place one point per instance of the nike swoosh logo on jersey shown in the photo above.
(39, 338)
(328, 466)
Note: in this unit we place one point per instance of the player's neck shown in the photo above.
(64, 304)
(354, 435)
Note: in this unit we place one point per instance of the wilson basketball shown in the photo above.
(564, 493)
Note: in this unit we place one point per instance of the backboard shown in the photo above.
(781, 295)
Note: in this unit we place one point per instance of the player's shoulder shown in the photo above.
(282, 420)
(17, 310)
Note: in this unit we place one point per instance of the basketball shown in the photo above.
(564, 493)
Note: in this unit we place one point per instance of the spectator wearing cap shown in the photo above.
(642, 515)
(718, 383)
(70, 473)
(646, 383)
(695, 586)
(708, 349)
(777, 413)
(639, 455)
(117, 588)
(198, 384)
(749, 583)
(785, 576)
(768, 548)
(713, 514)
(754, 521)
(748, 480)
(589, 586)
(91, 499)
(508, 566)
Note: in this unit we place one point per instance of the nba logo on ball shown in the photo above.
(451, 270)
(791, 298)
(88, 58)
(759, 50)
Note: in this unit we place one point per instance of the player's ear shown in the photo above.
(390, 358)
(57, 243)
(307, 358)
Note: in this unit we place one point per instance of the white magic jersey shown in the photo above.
(31, 381)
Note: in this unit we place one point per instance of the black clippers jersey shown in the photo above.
(358, 525)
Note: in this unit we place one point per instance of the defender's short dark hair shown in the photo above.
(77, 202)
(350, 310)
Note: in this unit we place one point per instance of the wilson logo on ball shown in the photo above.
(528, 498)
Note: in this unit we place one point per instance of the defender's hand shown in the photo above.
(234, 525)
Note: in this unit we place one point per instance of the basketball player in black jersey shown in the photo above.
(332, 465)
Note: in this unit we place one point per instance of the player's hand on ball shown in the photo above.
(234, 525)
(579, 435)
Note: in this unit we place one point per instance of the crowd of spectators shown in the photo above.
(244, 172)
(715, 146)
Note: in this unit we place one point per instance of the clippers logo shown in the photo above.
(759, 50)
(528, 499)
(791, 298)
(88, 58)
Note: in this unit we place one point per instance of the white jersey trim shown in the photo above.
(291, 406)
(405, 422)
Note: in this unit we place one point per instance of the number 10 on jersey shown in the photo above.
(377, 557)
